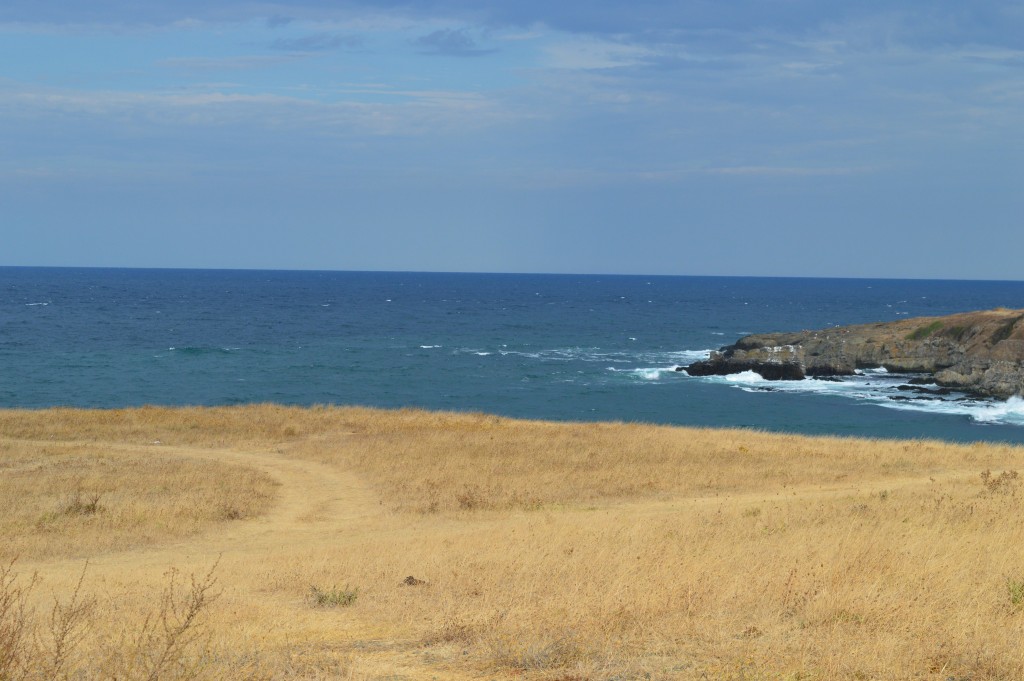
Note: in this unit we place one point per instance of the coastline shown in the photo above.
(571, 348)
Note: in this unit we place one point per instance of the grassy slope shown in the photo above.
(558, 551)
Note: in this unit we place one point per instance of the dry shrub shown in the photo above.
(15, 622)
(1004, 483)
(170, 642)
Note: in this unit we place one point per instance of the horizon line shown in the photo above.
(501, 273)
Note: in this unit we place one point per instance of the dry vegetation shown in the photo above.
(81, 500)
(535, 550)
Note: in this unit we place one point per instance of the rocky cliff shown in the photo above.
(978, 352)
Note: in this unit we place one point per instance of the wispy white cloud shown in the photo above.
(317, 42)
(451, 42)
(787, 171)
(233, 63)
(391, 111)
(591, 53)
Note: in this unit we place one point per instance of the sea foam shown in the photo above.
(889, 390)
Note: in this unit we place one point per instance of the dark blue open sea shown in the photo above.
(565, 347)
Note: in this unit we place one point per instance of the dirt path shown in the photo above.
(785, 494)
(322, 503)
(316, 504)
(319, 503)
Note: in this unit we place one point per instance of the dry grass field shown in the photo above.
(269, 542)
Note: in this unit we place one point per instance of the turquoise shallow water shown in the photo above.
(564, 347)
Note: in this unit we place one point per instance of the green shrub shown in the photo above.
(332, 597)
(1015, 590)
(925, 331)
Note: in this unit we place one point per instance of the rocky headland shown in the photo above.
(978, 352)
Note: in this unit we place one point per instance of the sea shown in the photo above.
(560, 347)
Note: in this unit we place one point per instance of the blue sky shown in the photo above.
(755, 137)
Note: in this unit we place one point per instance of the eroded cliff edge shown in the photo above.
(978, 352)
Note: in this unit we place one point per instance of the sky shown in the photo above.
(695, 137)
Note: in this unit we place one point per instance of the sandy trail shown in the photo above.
(318, 503)
(786, 494)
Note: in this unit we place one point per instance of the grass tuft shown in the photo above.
(1015, 591)
(332, 597)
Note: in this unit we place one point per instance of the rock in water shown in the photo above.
(979, 352)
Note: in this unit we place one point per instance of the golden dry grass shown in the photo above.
(547, 551)
(64, 501)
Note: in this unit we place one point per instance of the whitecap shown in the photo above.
(645, 373)
(429, 347)
(688, 356)
(35, 304)
(984, 412)
(1010, 411)
(653, 374)
(745, 377)
(881, 388)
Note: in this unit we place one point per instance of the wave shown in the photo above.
(592, 354)
(646, 373)
(751, 377)
(201, 350)
(889, 390)
(1010, 412)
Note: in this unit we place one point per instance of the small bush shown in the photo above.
(472, 498)
(79, 504)
(1004, 483)
(172, 642)
(69, 623)
(332, 597)
(1015, 590)
(228, 511)
(169, 644)
(15, 622)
